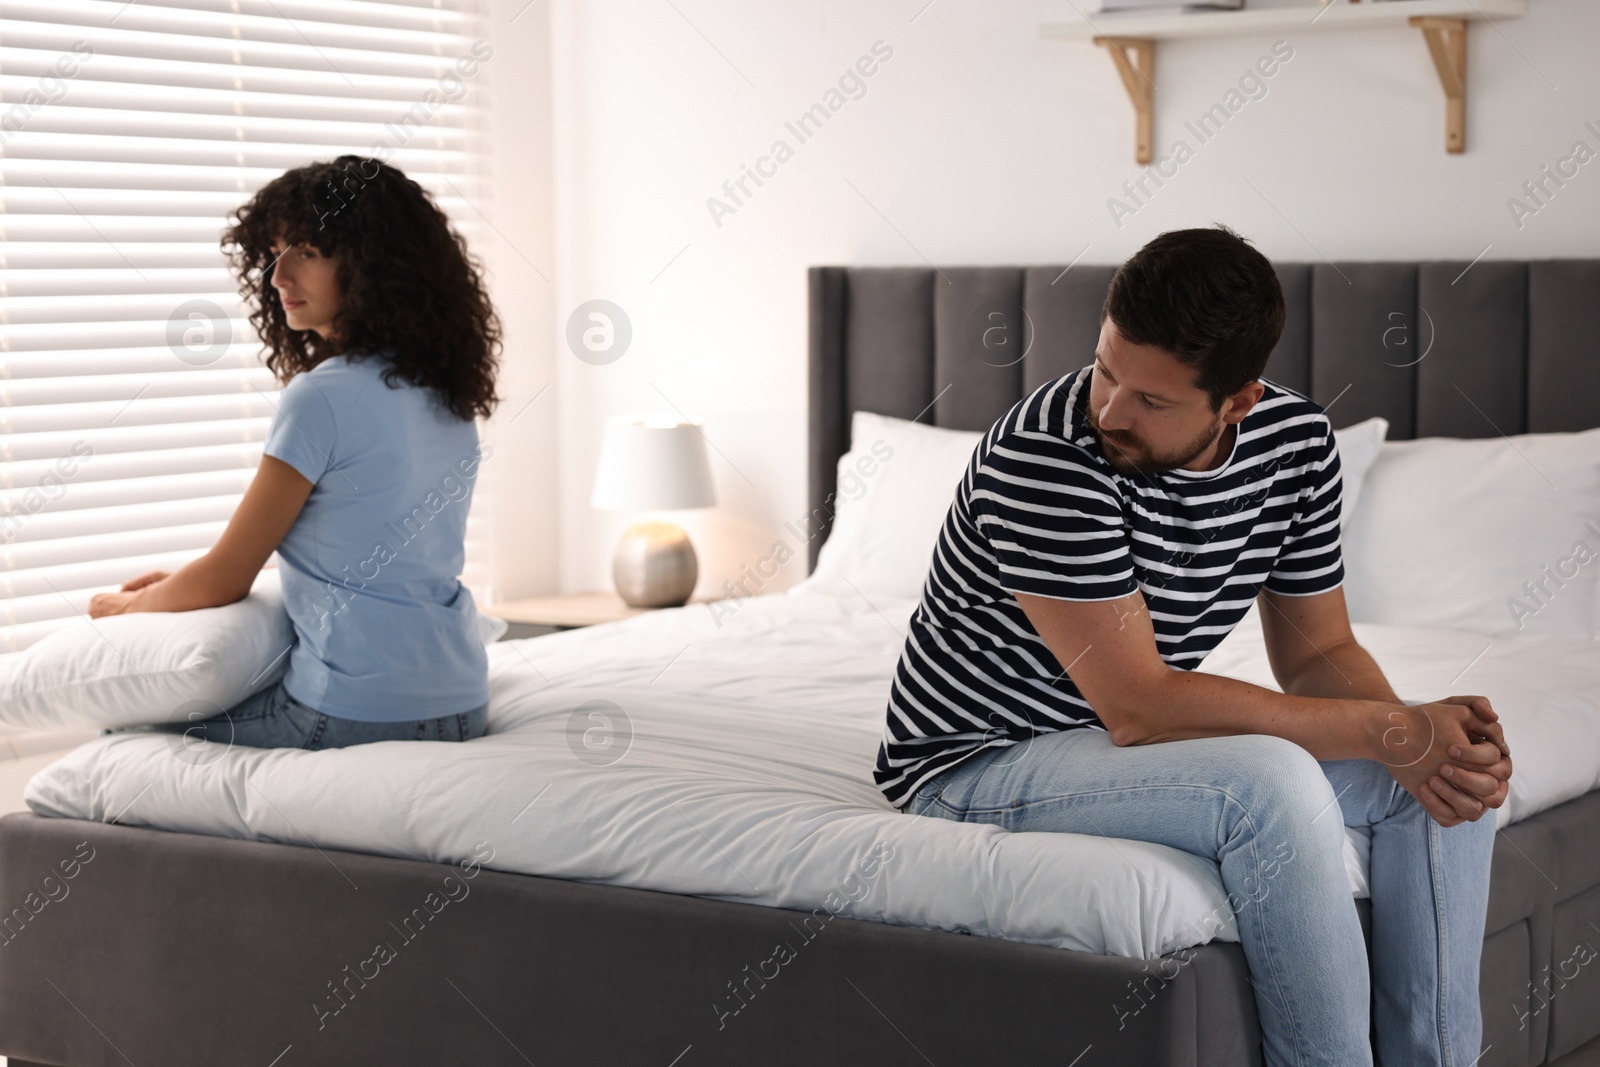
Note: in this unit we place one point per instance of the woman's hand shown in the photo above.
(103, 604)
(123, 601)
(143, 580)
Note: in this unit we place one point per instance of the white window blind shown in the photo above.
(133, 398)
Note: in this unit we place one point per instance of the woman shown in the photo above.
(376, 322)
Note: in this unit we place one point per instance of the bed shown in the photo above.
(673, 864)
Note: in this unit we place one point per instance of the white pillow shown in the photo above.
(125, 670)
(1498, 536)
(156, 666)
(896, 484)
(1358, 447)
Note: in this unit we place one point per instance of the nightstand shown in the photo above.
(540, 615)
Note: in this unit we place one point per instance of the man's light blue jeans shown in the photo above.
(1273, 817)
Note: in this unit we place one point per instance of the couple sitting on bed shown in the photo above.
(1110, 530)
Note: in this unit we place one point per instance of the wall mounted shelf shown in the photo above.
(1130, 39)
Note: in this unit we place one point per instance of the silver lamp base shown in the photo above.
(655, 566)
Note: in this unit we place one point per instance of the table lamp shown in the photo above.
(653, 466)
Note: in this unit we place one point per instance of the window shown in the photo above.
(133, 399)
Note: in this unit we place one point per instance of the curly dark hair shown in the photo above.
(1206, 296)
(409, 286)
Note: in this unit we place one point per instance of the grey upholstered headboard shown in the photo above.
(1440, 349)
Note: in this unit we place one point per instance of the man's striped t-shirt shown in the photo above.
(1040, 511)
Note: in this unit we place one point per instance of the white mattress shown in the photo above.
(748, 778)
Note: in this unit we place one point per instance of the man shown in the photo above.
(1110, 530)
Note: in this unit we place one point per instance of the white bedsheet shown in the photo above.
(739, 768)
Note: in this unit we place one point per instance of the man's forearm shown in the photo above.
(1189, 704)
(1345, 671)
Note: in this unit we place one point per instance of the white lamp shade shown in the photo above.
(653, 467)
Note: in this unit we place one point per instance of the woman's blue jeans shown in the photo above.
(274, 719)
(1273, 817)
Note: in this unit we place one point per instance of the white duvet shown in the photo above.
(733, 761)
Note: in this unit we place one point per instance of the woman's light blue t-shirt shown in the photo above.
(384, 629)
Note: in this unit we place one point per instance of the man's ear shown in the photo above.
(1237, 406)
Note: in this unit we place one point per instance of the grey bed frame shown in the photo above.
(170, 948)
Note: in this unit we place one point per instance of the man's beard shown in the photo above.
(1128, 456)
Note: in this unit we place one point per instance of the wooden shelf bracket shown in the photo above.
(1138, 77)
(1447, 44)
(1443, 24)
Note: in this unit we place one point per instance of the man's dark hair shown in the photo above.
(1207, 297)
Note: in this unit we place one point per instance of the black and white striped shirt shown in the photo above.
(1040, 511)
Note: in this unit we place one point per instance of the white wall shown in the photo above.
(978, 143)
